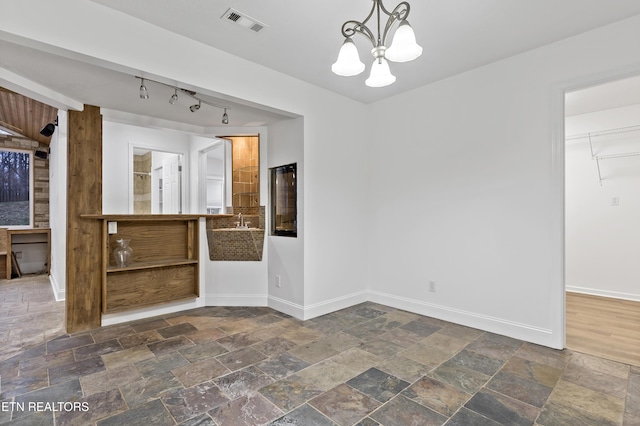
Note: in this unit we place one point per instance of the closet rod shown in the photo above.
(635, 128)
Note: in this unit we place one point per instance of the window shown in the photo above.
(15, 188)
(284, 201)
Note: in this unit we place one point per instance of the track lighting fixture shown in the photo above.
(195, 107)
(144, 94)
(174, 97)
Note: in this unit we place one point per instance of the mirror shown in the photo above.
(157, 182)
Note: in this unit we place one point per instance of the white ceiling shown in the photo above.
(303, 37)
(613, 94)
(302, 40)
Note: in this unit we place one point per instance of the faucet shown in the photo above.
(240, 221)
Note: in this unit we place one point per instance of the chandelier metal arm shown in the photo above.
(400, 12)
(403, 13)
(350, 28)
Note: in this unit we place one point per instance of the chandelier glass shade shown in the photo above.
(402, 49)
(380, 75)
(348, 62)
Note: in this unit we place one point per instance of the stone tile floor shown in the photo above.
(29, 314)
(366, 365)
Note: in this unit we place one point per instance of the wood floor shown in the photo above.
(605, 327)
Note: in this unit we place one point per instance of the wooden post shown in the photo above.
(84, 196)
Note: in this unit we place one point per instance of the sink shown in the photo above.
(235, 244)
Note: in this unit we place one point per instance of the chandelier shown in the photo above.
(403, 48)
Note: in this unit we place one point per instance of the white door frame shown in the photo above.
(558, 298)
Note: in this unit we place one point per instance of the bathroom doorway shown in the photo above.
(215, 177)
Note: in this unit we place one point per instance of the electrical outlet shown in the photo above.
(278, 283)
(113, 227)
(432, 286)
(18, 255)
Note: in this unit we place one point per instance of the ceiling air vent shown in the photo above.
(243, 20)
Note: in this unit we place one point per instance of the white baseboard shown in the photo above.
(482, 322)
(308, 312)
(336, 304)
(136, 314)
(59, 294)
(519, 331)
(604, 293)
(500, 326)
(286, 307)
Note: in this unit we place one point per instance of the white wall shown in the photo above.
(602, 238)
(471, 167)
(58, 207)
(286, 254)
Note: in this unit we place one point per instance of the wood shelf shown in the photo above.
(165, 261)
(151, 265)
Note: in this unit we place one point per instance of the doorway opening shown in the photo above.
(215, 177)
(602, 225)
(157, 181)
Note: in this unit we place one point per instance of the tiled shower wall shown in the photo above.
(142, 183)
(246, 171)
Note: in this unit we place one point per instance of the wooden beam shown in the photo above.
(84, 196)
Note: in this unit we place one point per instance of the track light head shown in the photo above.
(195, 107)
(144, 94)
(174, 97)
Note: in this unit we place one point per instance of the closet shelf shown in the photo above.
(606, 132)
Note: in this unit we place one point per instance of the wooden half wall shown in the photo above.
(84, 196)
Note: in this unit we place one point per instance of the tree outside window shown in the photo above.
(15, 188)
